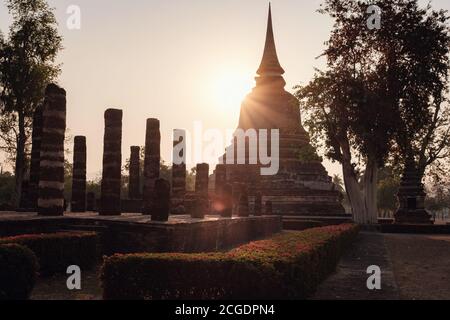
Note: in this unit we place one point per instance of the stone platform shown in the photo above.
(133, 232)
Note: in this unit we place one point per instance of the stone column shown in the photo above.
(51, 165)
(243, 203)
(161, 208)
(219, 183)
(79, 175)
(236, 187)
(269, 210)
(179, 172)
(35, 157)
(90, 201)
(227, 196)
(151, 163)
(201, 191)
(112, 163)
(258, 204)
(134, 173)
(221, 179)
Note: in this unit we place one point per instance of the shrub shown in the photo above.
(288, 265)
(57, 251)
(18, 270)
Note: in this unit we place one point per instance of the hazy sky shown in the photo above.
(180, 61)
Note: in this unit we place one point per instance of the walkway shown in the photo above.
(413, 267)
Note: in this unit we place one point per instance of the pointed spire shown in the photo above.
(270, 66)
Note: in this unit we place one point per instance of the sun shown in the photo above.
(230, 87)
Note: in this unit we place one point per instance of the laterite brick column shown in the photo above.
(179, 172)
(221, 179)
(112, 163)
(201, 191)
(151, 163)
(79, 175)
(243, 203)
(90, 201)
(134, 174)
(51, 165)
(161, 208)
(258, 205)
(227, 197)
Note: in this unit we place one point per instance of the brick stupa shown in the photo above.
(302, 185)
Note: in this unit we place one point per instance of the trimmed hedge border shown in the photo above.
(56, 251)
(288, 265)
(18, 272)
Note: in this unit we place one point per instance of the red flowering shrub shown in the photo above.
(57, 251)
(288, 265)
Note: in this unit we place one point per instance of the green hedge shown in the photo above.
(57, 251)
(18, 271)
(288, 265)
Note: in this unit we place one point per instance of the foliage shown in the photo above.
(27, 65)
(438, 191)
(6, 188)
(286, 266)
(387, 189)
(18, 266)
(57, 251)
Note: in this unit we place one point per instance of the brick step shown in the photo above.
(83, 228)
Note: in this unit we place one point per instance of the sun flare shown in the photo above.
(230, 88)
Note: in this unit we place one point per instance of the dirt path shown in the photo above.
(421, 265)
(55, 288)
(413, 267)
(349, 280)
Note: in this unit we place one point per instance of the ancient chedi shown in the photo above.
(302, 185)
(112, 163)
(151, 163)
(134, 174)
(79, 175)
(51, 165)
(411, 197)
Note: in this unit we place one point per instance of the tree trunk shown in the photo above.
(370, 191)
(19, 170)
(355, 196)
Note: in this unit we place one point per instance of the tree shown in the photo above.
(339, 183)
(373, 101)
(342, 110)
(27, 65)
(416, 63)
